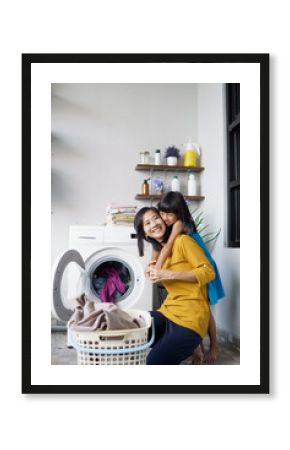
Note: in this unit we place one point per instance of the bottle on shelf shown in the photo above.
(145, 188)
(146, 157)
(191, 154)
(157, 157)
(175, 185)
(191, 185)
(142, 158)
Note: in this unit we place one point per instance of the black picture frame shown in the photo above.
(263, 61)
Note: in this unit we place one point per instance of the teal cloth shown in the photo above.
(214, 288)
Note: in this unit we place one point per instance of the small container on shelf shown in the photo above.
(146, 157)
(142, 158)
(175, 185)
(145, 188)
(191, 186)
(172, 155)
(157, 157)
(157, 186)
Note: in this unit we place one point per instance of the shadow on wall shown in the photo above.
(62, 147)
(61, 192)
(61, 181)
(227, 311)
(234, 305)
(78, 109)
(59, 102)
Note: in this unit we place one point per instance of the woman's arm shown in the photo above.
(177, 229)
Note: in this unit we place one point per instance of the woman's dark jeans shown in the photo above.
(173, 343)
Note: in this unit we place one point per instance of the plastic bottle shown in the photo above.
(191, 186)
(157, 157)
(145, 188)
(191, 153)
(175, 185)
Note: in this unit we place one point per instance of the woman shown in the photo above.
(182, 321)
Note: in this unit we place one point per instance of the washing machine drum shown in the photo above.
(108, 275)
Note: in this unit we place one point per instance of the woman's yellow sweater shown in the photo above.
(187, 302)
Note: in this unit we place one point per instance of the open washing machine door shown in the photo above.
(111, 275)
(59, 300)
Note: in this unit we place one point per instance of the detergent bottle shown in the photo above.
(191, 153)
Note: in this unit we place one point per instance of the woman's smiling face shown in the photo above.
(153, 226)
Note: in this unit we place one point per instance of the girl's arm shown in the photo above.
(154, 257)
(177, 229)
(202, 272)
(157, 275)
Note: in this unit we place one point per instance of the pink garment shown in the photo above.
(112, 284)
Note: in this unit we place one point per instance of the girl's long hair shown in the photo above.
(174, 202)
(139, 228)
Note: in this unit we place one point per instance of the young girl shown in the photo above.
(175, 213)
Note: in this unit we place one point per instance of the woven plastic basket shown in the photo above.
(122, 347)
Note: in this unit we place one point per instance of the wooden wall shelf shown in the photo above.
(165, 167)
(195, 198)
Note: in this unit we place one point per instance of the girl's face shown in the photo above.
(169, 218)
(153, 226)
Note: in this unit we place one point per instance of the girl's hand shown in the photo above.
(149, 268)
(160, 275)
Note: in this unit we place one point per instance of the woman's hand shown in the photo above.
(148, 269)
(160, 275)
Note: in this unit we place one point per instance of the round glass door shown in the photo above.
(114, 275)
(112, 280)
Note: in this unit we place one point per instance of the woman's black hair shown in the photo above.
(174, 202)
(139, 228)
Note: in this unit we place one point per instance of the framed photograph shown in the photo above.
(105, 138)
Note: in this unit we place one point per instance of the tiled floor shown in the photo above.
(61, 355)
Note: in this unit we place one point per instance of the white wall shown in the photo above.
(98, 131)
(212, 137)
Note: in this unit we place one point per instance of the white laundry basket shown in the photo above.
(112, 347)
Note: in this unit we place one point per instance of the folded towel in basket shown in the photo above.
(92, 316)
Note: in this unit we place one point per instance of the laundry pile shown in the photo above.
(111, 280)
(92, 316)
(120, 214)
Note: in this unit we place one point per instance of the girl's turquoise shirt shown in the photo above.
(215, 288)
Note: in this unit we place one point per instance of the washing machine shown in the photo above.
(94, 251)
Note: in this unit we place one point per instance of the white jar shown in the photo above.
(146, 157)
(175, 185)
(191, 186)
